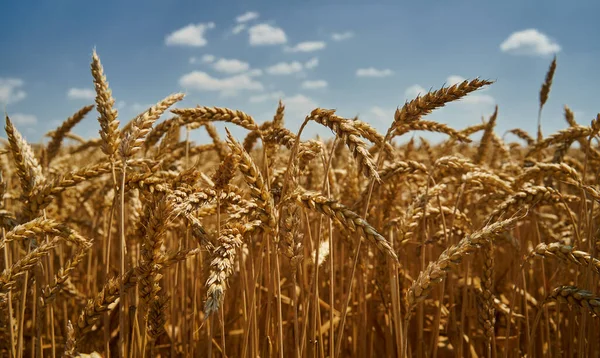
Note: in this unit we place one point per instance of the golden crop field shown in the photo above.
(142, 243)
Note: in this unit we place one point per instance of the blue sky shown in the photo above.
(362, 58)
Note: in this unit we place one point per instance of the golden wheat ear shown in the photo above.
(105, 106)
(61, 132)
(28, 168)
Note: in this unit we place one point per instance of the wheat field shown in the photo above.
(142, 243)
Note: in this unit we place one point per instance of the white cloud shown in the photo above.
(529, 42)
(208, 58)
(230, 66)
(413, 91)
(373, 72)
(265, 34)
(227, 86)
(81, 93)
(121, 104)
(190, 35)
(138, 107)
(238, 28)
(312, 63)
(193, 60)
(478, 99)
(314, 84)
(274, 96)
(23, 119)
(381, 114)
(250, 15)
(342, 36)
(299, 105)
(308, 46)
(10, 91)
(285, 68)
(454, 80)
(254, 72)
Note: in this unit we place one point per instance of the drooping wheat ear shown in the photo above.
(545, 90)
(346, 217)
(281, 136)
(568, 134)
(225, 172)
(415, 214)
(420, 106)
(252, 137)
(8, 277)
(28, 167)
(437, 270)
(159, 130)
(575, 297)
(430, 126)
(564, 146)
(527, 197)
(565, 253)
(344, 129)
(469, 131)
(104, 301)
(43, 196)
(211, 114)
(308, 149)
(523, 135)
(39, 227)
(450, 164)
(50, 291)
(401, 168)
(373, 136)
(132, 140)
(105, 106)
(59, 134)
(258, 188)
(221, 268)
(214, 135)
(547, 170)
(487, 180)
(487, 309)
(484, 145)
(185, 203)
